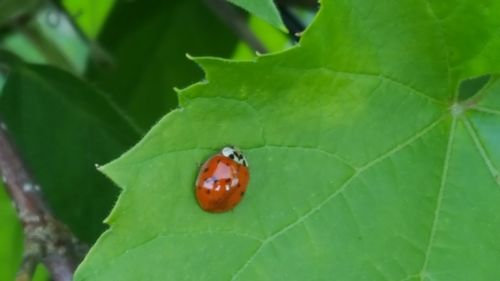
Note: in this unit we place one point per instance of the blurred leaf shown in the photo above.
(90, 15)
(264, 9)
(20, 45)
(11, 9)
(41, 274)
(4, 70)
(56, 27)
(49, 38)
(148, 40)
(364, 165)
(63, 128)
(10, 238)
(273, 40)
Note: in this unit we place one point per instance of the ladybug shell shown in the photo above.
(221, 183)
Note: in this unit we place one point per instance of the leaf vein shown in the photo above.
(486, 110)
(339, 191)
(381, 76)
(439, 199)
(305, 148)
(402, 145)
(445, 44)
(482, 150)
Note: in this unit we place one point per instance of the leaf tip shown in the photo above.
(283, 28)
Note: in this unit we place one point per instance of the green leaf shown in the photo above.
(63, 128)
(364, 164)
(11, 10)
(273, 40)
(90, 15)
(49, 38)
(264, 9)
(148, 41)
(10, 238)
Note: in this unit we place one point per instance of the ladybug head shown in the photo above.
(235, 154)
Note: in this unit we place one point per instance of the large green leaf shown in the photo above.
(148, 40)
(64, 127)
(364, 164)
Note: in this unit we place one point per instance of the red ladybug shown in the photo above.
(222, 181)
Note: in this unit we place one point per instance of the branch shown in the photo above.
(46, 240)
(237, 22)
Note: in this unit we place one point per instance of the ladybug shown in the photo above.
(222, 180)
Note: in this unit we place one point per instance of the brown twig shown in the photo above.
(237, 22)
(46, 240)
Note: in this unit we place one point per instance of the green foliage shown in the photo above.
(364, 164)
(148, 40)
(11, 242)
(64, 127)
(12, 9)
(48, 38)
(374, 145)
(90, 15)
(273, 40)
(10, 238)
